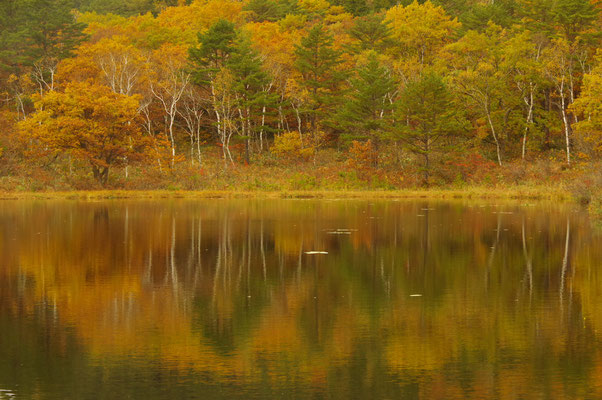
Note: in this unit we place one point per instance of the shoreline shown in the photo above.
(474, 193)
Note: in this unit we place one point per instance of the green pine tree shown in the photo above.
(216, 46)
(117, 7)
(371, 32)
(537, 16)
(35, 35)
(37, 31)
(265, 10)
(574, 16)
(367, 114)
(431, 117)
(51, 30)
(355, 7)
(251, 83)
(318, 62)
(11, 35)
(479, 16)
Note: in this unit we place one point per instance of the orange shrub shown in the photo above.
(362, 156)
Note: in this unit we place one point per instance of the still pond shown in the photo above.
(211, 299)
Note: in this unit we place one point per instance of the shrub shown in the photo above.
(587, 188)
(300, 181)
(292, 146)
(363, 156)
(469, 168)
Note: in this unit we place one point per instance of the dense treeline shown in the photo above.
(426, 92)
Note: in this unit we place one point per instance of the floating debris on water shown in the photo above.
(316, 252)
(416, 295)
(340, 231)
(7, 394)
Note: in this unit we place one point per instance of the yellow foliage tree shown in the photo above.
(90, 122)
(589, 106)
(112, 61)
(420, 31)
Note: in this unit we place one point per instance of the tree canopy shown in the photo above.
(515, 81)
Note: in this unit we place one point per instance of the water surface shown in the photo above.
(219, 298)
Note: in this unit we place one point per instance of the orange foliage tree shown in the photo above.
(90, 122)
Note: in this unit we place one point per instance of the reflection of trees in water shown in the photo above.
(565, 262)
(225, 286)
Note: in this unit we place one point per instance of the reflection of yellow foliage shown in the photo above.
(128, 279)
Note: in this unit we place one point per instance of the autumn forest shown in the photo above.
(299, 94)
(304, 199)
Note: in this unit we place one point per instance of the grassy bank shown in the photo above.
(507, 193)
(332, 175)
